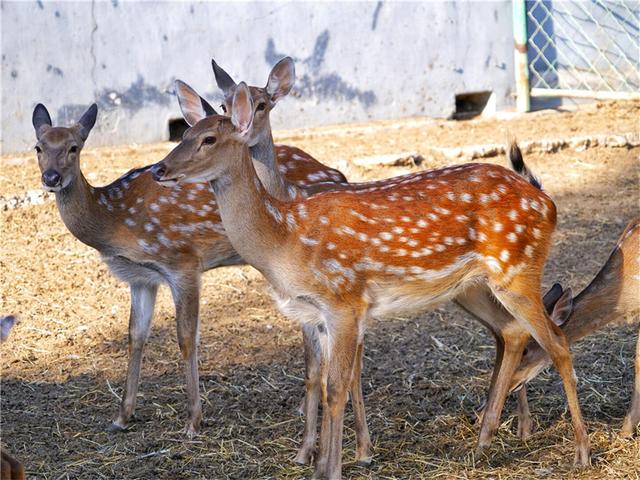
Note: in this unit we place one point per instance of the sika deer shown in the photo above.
(150, 235)
(10, 468)
(481, 305)
(338, 258)
(612, 297)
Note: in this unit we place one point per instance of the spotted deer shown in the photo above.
(10, 468)
(482, 307)
(149, 235)
(338, 258)
(612, 297)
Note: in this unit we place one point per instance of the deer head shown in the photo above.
(58, 148)
(279, 84)
(209, 145)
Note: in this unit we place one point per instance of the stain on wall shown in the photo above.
(315, 83)
(354, 60)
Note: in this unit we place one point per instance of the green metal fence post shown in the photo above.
(523, 103)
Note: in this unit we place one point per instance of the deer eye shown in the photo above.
(73, 149)
(38, 149)
(224, 109)
(261, 106)
(210, 140)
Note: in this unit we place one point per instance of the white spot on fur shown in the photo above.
(309, 241)
(493, 264)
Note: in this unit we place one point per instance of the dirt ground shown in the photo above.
(65, 362)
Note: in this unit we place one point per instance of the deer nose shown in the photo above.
(158, 171)
(51, 178)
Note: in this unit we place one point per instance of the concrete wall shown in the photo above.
(355, 61)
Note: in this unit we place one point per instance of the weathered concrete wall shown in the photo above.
(354, 61)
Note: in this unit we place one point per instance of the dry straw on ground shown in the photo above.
(64, 365)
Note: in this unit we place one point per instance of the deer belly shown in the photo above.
(420, 292)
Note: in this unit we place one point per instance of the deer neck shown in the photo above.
(250, 215)
(266, 167)
(81, 214)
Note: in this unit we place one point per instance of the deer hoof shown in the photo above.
(117, 427)
(582, 458)
(304, 456)
(190, 431)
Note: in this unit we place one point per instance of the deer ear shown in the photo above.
(563, 308)
(41, 119)
(194, 108)
(242, 109)
(551, 297)
(87, 121)
(5, 326)
(223, 79)
(281, 79)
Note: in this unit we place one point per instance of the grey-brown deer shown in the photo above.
(338, 258)
(612, 297)
(149, 235)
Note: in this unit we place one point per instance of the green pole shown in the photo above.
(521, 64)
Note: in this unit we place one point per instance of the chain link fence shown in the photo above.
(584, 49)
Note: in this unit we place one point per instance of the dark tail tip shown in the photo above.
(517, 163)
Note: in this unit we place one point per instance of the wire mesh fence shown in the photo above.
(585, 48)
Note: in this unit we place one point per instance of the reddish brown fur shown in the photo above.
(612, 297)
(339, 257)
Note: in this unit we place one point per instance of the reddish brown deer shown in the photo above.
(10, 468)
(150, 235)
(483, 307)
(612, 297)
(338, 258)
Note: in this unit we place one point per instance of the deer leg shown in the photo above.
(337, 368)
(312, 393)
(515, 339)
(480, 302)
(143, 300)
(523, 300)
(524, 415)
(632, 418)
(186, 296)
(310, 402)
(364, 454)
(494, 375)
(10, 468)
